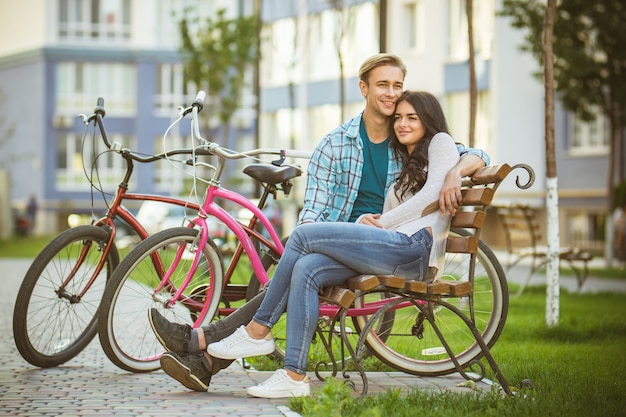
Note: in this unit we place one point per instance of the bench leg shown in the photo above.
(534, 267)
(345, 344)
(581, 276)
(427, 313)
(481, 342)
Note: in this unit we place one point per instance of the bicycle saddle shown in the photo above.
(272, 174)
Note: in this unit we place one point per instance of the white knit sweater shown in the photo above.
(405, 216)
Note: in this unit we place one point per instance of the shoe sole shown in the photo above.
(158, 336)
(182, 374)
(279, 394)
(232, 356)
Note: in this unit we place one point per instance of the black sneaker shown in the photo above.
(173, 336)
(193, 370)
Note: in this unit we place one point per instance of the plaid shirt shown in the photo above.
(334, 173)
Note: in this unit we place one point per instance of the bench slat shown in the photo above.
(491, 174)
(438, 288)
(417, 287)
(462, 244)
(363, 282)
(460, 288)
(338, 295)
(392, 281)
(477, 196)
(471, 219)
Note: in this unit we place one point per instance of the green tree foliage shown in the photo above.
(589, 51)
(589, 61)
(216, 57)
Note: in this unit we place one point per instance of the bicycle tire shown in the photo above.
(401, 349)
(50, 329)
(123, 326)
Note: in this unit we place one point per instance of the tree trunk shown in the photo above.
(615, 153)
(552, 197)
(472, 72)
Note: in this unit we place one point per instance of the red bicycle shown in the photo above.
(55, 311)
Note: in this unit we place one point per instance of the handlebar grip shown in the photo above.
(298, 154)
(199, 101)
(100, 107)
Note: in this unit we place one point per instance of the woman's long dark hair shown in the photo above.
(414, 166)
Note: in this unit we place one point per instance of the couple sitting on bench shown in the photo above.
(348, 233)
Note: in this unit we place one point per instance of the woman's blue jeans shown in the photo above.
(320, 255)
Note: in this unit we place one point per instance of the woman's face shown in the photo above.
(408, 126)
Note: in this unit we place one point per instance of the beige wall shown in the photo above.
(24, 28)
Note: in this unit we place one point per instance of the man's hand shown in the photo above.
(450, 196)
(370, 220)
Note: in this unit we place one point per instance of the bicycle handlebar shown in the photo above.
(99, 113)
(207, 147)
(220, 151)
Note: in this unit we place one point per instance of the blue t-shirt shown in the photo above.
(371, 195)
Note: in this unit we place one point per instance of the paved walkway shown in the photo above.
(89, 385)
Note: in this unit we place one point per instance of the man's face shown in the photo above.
(383, 88)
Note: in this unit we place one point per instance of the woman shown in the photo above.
(319, 255)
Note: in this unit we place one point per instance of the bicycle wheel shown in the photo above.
(398, 345)
(123, 327)
(52, 321)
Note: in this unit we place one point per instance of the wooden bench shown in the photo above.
(478, 192)
(523, 238)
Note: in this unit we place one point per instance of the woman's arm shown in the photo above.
(442, 157)
(450, 194)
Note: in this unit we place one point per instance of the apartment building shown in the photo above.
(56, 58)
(63, 54)
(301, 72)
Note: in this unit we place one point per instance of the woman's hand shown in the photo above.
(370, 220)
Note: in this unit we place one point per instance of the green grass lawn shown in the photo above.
(23, 246)
(578, 367)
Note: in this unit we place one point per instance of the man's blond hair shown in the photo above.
(379, 60)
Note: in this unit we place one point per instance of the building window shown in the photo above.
(78, 85)
(170, 12)
(78, 159)
(483, 27)
(171, 89)
(414, 26)
(585, 230)
(106, 21)
(590, 137)
(457, 112)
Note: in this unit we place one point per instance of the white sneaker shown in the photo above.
(280, 385)
(241, 345)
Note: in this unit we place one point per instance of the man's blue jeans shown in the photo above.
(319, 255)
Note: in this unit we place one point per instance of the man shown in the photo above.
(348, 175)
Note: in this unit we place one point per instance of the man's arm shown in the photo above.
(319, 179)
(450, 194)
